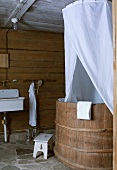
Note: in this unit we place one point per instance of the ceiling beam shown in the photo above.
(19, 11)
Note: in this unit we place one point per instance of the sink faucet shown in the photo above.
(4, 82)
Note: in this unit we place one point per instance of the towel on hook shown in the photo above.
(84, 110)
(32, 106)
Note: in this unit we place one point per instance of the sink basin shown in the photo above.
(15, 104)
(10, 100)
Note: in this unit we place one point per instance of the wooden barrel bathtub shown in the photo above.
(84, 144)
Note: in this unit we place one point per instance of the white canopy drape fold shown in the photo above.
(89, 52)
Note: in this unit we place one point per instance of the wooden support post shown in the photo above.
(114, 13)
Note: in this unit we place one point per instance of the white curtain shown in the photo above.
(89, 51)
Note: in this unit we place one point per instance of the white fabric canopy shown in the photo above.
(89, 52)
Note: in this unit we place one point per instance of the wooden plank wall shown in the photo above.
(33, 56)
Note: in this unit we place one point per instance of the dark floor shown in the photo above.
(19, 156)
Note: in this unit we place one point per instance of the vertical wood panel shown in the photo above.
(34, 56)
(114, 4)
(4, 61)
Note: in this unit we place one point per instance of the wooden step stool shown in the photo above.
(41, 144)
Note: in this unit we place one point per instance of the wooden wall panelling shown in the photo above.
(35, 41)
(35, 56)
(3, 50)
(3, 40)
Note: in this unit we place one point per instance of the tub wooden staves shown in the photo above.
(84, 144)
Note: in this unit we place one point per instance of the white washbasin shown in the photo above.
(10, 100)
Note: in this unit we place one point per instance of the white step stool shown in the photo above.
(41, 144)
